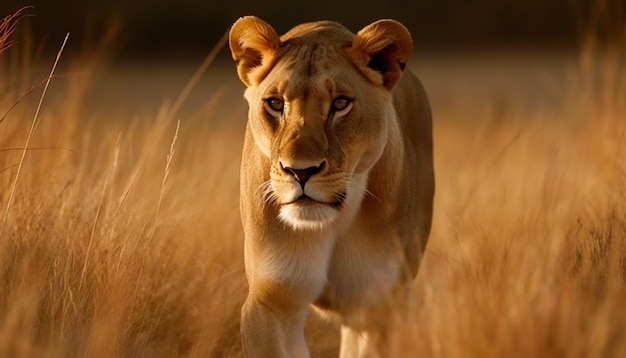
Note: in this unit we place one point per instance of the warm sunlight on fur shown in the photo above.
(343, 136)
(123, 237)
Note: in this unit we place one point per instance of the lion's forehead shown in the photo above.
(313, 59)
(309, 89)
(311, 75)
(321, 31)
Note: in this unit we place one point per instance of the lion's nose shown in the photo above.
(303, 175)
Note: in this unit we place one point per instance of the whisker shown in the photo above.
(267, 194)
(369, 193)
(351, 182)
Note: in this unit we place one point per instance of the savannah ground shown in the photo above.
(120, 233)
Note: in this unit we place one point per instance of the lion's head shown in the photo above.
(320, 102)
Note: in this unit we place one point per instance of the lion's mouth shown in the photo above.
(311, 214)
(338, 203)
(306, 200)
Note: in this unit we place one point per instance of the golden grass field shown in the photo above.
(120, 233)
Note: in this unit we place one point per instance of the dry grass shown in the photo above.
(7, 27)
(123, 238)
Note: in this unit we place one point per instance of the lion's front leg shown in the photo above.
(372, 343)
(285, 276)
(371, 333)
(364, 344)
(351, 341)
(268, 332)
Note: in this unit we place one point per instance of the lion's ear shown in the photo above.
(253, 43)
(384, 47)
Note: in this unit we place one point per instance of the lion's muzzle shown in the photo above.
(303, 175)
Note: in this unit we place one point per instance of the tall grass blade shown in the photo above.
(29, 136)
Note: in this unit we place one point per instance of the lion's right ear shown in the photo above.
(381, 50)
(253, 44)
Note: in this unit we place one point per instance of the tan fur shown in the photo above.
(349, 240)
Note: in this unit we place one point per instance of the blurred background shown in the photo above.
(189, 27)
(143, 52)
(107, 258)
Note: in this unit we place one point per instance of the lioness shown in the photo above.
(336, 181)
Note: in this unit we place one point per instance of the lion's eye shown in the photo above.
(341, 103)
(274, 105)
(341, 106)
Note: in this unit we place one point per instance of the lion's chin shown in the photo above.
(308, 214)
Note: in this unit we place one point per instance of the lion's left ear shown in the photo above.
(384, 47)
(253, 44)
